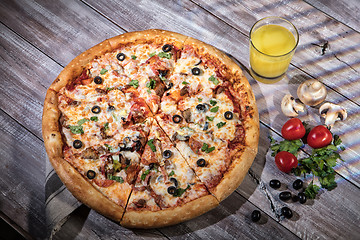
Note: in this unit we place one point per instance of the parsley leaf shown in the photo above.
(108, 146)
(76, 129)
(94, 118)
(133, 57)
(151, 145)
(152, 54)
(134, 83)
(106, 126)
(103, 71)
(116, 178)
(213, 102)
(185, 83)
(164, 55)
(291, 146)
(214, 109)
(82, 121)
(205, 148)
(171, 173)
(148, 91)
(210, 118)
(162, 78)
(143, 176)
(214, 80)
(199, 99)
(151, 84)
(180, 191)
(220, 124)
(312, 190)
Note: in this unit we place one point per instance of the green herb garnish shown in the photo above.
(162, 78)
(134, 83)
(106, 126)
(152, 54)
(205, 148)
(103, 71)
(76, 129)
(210, 118)
(213, 102)
(185, 83)
(291, 146)
(151, 145)
(151, 84)
(133, 57)
(143, 176)
(94, 118)
(180, 191)
(220, 124)
(116, 178)
(199, 99)
(171, 173)
(82, 121)
(214, 109)
(214, 80)
(164, 55)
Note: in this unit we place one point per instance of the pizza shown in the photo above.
(151, 128)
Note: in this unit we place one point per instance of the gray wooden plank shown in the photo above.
(347, 12)
(22, 179)
(339, 67)
(62, 29)
(26, 73)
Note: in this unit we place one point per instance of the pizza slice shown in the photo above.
(167, 190)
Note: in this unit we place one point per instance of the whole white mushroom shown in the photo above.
(311, 92)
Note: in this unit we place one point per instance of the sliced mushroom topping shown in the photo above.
(184, 91)
(180, 137)
(290, 107)
(311, 92)
(187, 115)
(140, 203)
(90, 153)
(332, 113)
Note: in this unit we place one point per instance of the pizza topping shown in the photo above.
(201, 107)
(205, 148)
(174, 181)
(171, 190)
(213, 79)
(176, 118)
(220, 124)
(167, 48)
(206, 126)
(116, 178)
(90, 153)
(228, 115)
(180, 191)
(103, 71)
(95, 109)
(214, 109)
(151, 145)
(77, 144)
(151, 84)
(171, 173)
(132, 172)
(140, 203)
(98, 80)
(76, 129)
(134, 83)
(196, 71)
(167, 154)
(133, 57)
(184, 91)
(121, 57)
(90, 174)
(187, 115)
(201, 162)
(164, 55)
(213, 102)
(195, 145)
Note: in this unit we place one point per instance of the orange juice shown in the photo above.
(271, 49)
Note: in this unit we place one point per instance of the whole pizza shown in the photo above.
(151, 128)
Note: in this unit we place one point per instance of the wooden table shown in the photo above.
(39, 38)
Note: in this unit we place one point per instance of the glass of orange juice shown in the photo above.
(273, 41)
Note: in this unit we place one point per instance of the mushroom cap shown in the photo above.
(312, 92)
(332, 112)
(290, 107)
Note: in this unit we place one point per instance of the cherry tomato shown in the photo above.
(285, 161)
(293, 129)
(319, 137)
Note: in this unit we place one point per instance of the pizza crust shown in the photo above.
(171, 216)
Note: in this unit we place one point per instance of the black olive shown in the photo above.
(255, 215)
(162, 73)
(201, 162)
(170, 85)
(127, 161)
(285, 195)
(121, 57)
(275, 184)
(167, 154)
(201, 107)
(77, 144)
(98, 80)
(302, 198)
(174, 181)
(195, 71)
(176, 118)
(167, 48)
(111, 108)
(297, 184)
(198, 62)
(151, 165)
(286, 212)
(90, 174)
(96, 109)
(126, 140)
(171, 190)
(206, 126)
(228, 115)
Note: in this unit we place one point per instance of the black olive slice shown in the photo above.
(151, 165)
(198, 62)
(167, 48)
(171, 190)
(167, 154)
(206, 126)
(201, 107)
(201, 162)
(174, 181)
(176, 118)
(111, 108)
(77, 144)
(196, 71)
(98, 80)
(96, 109)
(90, 174)
(121, 57)
(228, 115)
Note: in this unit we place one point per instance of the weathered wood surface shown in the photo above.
(32, 41)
